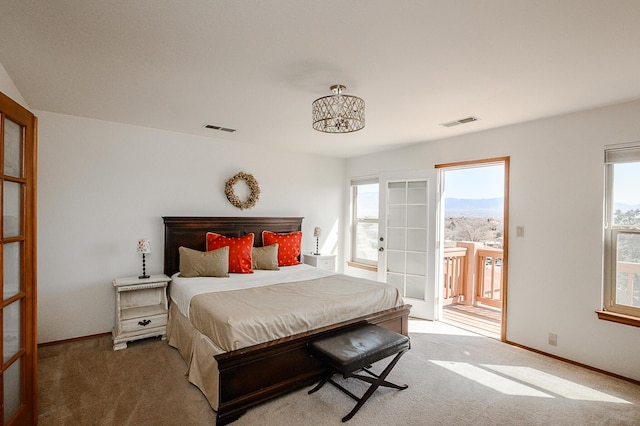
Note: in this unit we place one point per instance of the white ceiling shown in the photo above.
(256, 66)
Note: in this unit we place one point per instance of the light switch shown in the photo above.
(519, 231)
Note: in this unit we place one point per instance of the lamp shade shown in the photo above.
(317, 231)
(144, 246)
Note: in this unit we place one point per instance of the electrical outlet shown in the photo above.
(553, 339)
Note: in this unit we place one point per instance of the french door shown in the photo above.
(408, 247)
(18, 271)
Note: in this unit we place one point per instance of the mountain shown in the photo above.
(483, 207)
(625, 207)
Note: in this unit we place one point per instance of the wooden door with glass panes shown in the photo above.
(18, 255)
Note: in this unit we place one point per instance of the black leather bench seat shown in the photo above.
(356, 349)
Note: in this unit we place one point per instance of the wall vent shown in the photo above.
(461, 121)
(220, 128)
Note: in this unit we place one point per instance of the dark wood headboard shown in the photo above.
(185, 231)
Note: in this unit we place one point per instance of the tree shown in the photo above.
(628, 218)
(475, 229)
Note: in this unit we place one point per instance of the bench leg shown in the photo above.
(321, 383)
(376, 382)
(373, 380)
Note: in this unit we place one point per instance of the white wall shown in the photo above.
(103, 185)
(8, 88)
(556, 193)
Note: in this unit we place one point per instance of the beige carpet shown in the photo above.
(454, 378)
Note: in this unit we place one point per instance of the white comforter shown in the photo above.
(183, 289)
(249, 309)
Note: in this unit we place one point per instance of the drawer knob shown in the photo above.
(144, 322)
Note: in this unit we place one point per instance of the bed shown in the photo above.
(247, 371)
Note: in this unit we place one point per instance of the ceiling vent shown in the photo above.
(220, 128)
(461, 121)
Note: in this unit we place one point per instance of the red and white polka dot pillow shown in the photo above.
(288, 246)
(240, 260)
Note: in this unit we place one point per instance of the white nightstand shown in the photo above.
(141, 309)
(322, 261)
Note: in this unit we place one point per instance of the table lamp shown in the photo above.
(316, 233)
(144, 247)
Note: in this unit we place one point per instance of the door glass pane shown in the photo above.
(12, 389)
(415, 287)
(396, 239)
(416, 264)
(417, 192)
(396, 280)
(11, 270)
(11, 330)
(397, 193)
(628, 269)
(11, 212)
(395, 261)
(417, 240)
(397, 216)
(12, 149)
(417, 216)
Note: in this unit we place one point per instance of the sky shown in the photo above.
(475, 183)
(487, 182)
(627, 183)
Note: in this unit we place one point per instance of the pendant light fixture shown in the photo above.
(338, 113)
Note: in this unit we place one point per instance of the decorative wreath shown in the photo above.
(253, 185)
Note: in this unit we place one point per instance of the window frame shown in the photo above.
(628, 314)
(354, 260)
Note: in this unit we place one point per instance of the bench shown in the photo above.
(355, 350)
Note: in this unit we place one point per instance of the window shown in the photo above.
(364, 222)
(622, 231)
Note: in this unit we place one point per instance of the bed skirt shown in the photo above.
(198, 352)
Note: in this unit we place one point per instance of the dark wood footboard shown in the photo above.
(258, 373)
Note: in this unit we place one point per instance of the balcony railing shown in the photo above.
(489, 285)
(455, 274)
(626, 290)
(472, 274)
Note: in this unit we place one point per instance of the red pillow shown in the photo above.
(240, 260)
(288, 246)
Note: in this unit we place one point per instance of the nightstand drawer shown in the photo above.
(144, 323)
(325, 264)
